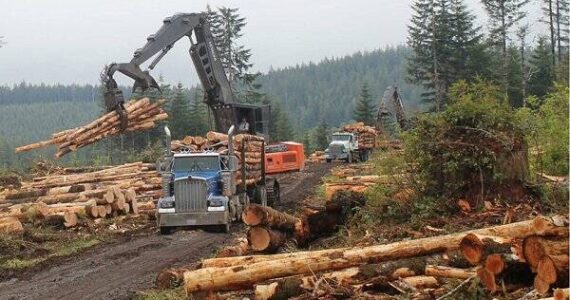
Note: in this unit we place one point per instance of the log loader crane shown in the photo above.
(391, 101)
(200, 188)
(218, 93)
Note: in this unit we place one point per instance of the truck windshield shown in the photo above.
(341, 137)
(196, 164)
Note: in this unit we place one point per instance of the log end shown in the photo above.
(495, 263)
(472, 248)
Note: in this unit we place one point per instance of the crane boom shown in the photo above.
(218, 94)
(391, 101)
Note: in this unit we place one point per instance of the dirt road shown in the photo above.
(118, 270)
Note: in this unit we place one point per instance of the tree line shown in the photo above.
(447, 46)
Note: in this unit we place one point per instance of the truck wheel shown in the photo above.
(349, 158)
(165, 230)
(225, 228)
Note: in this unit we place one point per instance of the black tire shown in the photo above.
(349, 158)
(328, 160)
(225, 228)
(165, 230)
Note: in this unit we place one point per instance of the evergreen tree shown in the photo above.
(562, 19)
(284, 130)
(306, 140)
(503, 15)
(542, 77)
(464, 43)
(445, 42)
(320, 136)
(548, 10)
(179, 114)
(198, 115)
(515, 92)
(365, 110)
(226, 26)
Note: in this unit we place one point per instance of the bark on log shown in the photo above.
(255, 215)
(318, 261)
(449, 272)
(172, 277)
(421, 282)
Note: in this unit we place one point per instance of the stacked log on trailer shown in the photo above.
(58, 199)
(142, 115)
(246, 145)
(366, 134)
(409, 266)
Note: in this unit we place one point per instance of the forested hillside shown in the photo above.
(306, 94)
(327, 91)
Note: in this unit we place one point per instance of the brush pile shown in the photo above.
(61, 198)
(366, 134)
(142, 115)
(249, 150)
(417, 268)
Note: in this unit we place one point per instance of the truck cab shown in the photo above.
(342, 147)
(198, 191)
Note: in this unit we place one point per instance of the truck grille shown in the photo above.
(335, 150)
(190, 195)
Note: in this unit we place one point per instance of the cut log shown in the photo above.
(487, 278)
(536, 247)
(325, 260)
(254, 215)
(216, 136)
(11, 225)
(118, 194)
(421, 282)
(134, 206)
(561, 294)
(263, 239)
(239, 249)
(92, 211)
(172, 278)
(557, 225)
(449, 272)
(541, 286)
(476, 248)
(101, 211)
(131, 195)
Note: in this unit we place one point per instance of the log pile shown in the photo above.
(248, 146)
(317, 157)
(142, 115)
(540, 259)
(366, 134)
(58, 199)
(409, 266)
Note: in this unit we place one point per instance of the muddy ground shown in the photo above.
(117, 270)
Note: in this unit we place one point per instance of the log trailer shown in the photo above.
(202, 188)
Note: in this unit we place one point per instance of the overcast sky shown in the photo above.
(69, 41)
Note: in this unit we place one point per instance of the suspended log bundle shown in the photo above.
(390, 268)
(142, 115)
(366, 134)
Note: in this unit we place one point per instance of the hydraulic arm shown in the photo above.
(218, 93)
(391, 101)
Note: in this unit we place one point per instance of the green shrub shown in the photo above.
(474, 145)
